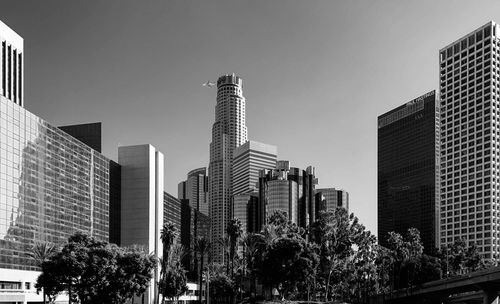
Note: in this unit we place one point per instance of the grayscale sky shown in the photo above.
(316, 74)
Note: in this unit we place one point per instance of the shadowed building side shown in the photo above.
(408, 170)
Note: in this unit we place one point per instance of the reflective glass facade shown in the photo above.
(51, 186)
(408, 170)
(332, 198)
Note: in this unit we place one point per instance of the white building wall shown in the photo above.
(142, 202)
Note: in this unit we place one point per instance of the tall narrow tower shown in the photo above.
(470, 176)
(228, 132)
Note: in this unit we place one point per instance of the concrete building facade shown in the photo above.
(142, 203)
(470, 104)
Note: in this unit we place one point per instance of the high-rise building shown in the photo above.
(248, 160)
(470, 102)
(333, 198)
(142, 195)
(195, 189)
(91, 135)
(228, 132)
(51, 186)
(287, 189)
(244, 209)
(194, 224)
(172, 210)
(11, 65)
(88, 133)
(408, 169)
(193, 194)
(307, 181)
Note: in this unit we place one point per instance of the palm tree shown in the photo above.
(234, 232)
(202, 247)
(41, 252)
(252, 245)
(167, 236)
(225, 244)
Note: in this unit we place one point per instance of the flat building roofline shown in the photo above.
(467, 35)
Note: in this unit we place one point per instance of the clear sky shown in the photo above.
(316, 74)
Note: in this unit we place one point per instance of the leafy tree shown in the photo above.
(286, 258)
(458, 258)
(384, 262)
(221, 287)
(93, 271)
(278, 218)
(174, 283)
(342, 240)
(430, 269)
(132, 262)
(411, 266)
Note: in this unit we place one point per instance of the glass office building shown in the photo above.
(408, 170)
(331, 198)
(51, 186)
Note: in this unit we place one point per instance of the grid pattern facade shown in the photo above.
(11, 65)
(408, 170)
(242, 205)
(172, 210)
(195, 189)
(248, 160)
(470, 156)
(306, 181)
(228, 132)
(282, 195)
(51, 186)
(334, 198)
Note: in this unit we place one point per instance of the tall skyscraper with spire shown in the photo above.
(228, 132)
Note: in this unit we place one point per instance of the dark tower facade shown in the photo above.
(408, 170)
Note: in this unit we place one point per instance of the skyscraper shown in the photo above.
(193, 194)
(228, 132)
(408, 169)
(307, 181)
(245, 209)
(248, 160)
(470, 177)
(11, 65)
(195, 189)
(172, 210)
(51, 186)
